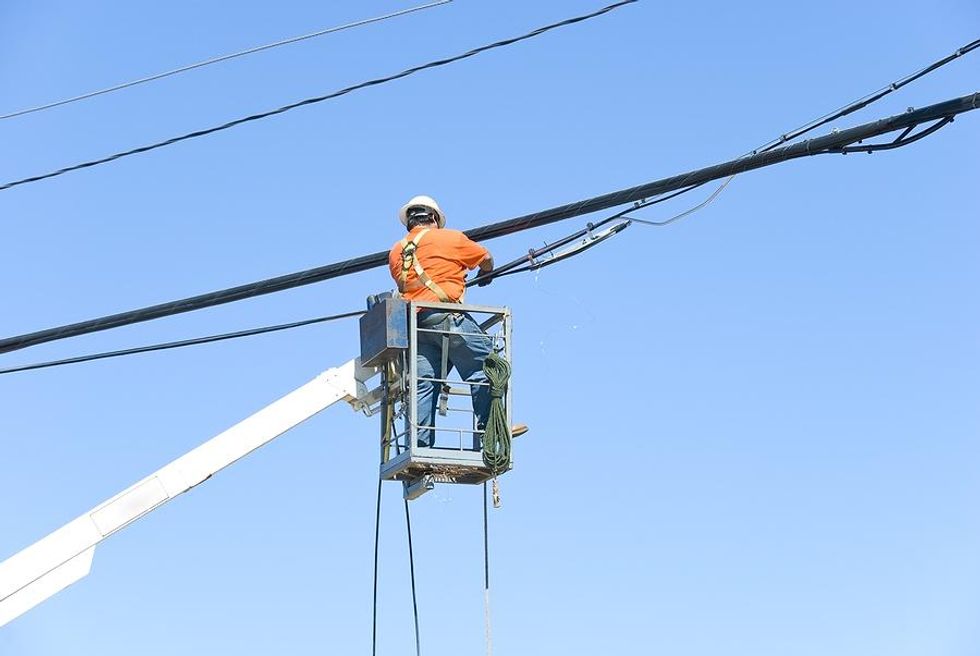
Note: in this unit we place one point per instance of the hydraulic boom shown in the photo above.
(65, 556)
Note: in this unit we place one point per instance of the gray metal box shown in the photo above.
(384, 331)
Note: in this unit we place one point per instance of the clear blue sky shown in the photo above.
(753, 433)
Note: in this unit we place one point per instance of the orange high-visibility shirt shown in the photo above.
(445, 255)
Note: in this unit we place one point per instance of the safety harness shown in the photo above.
(410, 261)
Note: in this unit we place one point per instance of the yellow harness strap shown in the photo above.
(409, 261)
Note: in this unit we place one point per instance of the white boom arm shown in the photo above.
(65, 556)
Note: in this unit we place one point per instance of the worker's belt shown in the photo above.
(410, 261)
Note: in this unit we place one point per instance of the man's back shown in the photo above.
(445, 255)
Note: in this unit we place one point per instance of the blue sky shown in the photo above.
(753, 432)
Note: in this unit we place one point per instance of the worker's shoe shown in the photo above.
(518, 429)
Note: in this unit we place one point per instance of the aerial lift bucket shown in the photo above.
(389, 341)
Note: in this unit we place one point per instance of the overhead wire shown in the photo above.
(317, 99)
(809, 126)
(831, 142)
(165, 346)
(654, 190)
(219, 59)
(872, 97)
(508, 269)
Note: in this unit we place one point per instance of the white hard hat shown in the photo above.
(422, 201)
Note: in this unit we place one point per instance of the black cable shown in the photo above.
(486, 571)
(502, 271)
(531, 264)
(218, 59)
(850, 108)
(528, 260)
(874, 96)
(486, 542)
(377, 541)
(411, 570)
(657, 188)
(318, 99)
(179, 344)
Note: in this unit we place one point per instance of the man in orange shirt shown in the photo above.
(430, 264)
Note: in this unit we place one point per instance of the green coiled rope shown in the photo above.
(496, 436)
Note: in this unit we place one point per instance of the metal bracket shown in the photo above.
(417, 487)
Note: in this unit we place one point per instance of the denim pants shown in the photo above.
(466, 353)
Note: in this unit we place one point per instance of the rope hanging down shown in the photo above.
(318, 99)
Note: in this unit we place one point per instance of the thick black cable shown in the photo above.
(874, 96)
(502, 271)
(849, 108)
(318, 99)
(180, 344)
(806, 148)
(902, 140)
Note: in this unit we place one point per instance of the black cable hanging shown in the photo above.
(387, 428)
(318, 99)
(486, 573)
(411, 572)
(377, 542)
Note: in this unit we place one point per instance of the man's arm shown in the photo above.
(486, 266)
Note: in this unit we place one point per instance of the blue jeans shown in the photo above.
(466, 353)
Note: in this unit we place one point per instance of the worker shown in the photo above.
(430, 264)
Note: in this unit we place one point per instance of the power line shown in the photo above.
(872, 97)
(507, 269)
(849, 108)
(221, 58)
(528, 262)
(829, 143)
(318, 99)
(180, 344)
